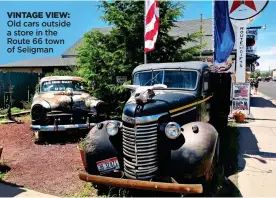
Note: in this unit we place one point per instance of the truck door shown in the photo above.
(205, 105)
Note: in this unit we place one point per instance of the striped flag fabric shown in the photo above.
(151, 24)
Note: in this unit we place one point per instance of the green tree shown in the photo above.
(102, 57)
(59, 72)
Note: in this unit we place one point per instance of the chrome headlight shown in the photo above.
(172, 130)
(112, 128)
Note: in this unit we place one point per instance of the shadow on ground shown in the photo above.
(261, 102)
(62, 137)
(10, 190)
(251, 150)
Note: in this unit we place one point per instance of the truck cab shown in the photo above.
(166, 131)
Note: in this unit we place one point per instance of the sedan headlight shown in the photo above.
(112, 128)
(172, 130)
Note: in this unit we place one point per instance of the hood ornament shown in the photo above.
(69, 92)
(144, 94)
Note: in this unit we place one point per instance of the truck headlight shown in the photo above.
(112, 128)
(172, 130)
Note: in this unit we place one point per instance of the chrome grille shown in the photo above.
(140, 150)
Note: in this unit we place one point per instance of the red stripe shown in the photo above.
(150, 14)
(149, 35)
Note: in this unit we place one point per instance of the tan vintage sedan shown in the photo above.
(63, 104)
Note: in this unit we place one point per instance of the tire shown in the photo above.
(211, 187)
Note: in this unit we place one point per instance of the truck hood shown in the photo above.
(162, 102)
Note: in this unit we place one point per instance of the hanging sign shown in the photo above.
(242, 10)
(241, 50)
(241, 97)
(251, 41)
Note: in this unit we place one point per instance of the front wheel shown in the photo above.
(214, 178)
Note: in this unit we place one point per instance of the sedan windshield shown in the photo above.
(173, 79)
(61, 85)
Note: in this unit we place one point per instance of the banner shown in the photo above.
(224, 37)
(241, 97)
(241, 50)
(251, 41)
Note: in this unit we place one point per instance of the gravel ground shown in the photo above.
(47, 168)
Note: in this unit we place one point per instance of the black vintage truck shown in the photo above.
(168, 137)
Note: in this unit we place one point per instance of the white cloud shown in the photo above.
(265, 63)
(268, 52)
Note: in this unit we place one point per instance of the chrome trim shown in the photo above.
(62, 127)
(177, 114)
(142, 120)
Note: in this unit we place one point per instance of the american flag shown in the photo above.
(151, 24)
(241, 93)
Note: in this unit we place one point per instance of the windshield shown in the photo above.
(61, 85)
(173, 79)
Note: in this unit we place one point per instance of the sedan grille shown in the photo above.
(140, 150)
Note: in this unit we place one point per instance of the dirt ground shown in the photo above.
(50, 168)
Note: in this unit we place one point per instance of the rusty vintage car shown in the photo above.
(168, 137)
(61, 104)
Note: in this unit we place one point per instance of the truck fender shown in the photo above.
(193, 158)
(100, 146)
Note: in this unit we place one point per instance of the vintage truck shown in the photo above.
(168, 137)
(61, 104)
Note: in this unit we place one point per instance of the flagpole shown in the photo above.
(145, 54)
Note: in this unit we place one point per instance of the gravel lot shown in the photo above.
(50, 168)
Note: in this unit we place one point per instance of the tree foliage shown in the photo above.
(102, 57)
(59, 72)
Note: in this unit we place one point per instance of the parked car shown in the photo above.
(63, 104)
(166, 140)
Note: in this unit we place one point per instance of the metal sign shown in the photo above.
(251, 41)
(241, 97)
(121, 79)
(241, 10)
(241, 50)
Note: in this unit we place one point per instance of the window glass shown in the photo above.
(148, 78)
(180, 79)
(61, 85)
(171, 78)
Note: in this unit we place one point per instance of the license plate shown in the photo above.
(108, 165)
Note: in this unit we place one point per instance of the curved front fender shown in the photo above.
(193, 153)
(100, 146)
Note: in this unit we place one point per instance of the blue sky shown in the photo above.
(85, 15)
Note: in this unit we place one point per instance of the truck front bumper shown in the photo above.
(62, 127)
(143, 185)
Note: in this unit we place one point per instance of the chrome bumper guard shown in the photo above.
(62, 127)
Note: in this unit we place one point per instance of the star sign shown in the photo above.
(237, 3)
